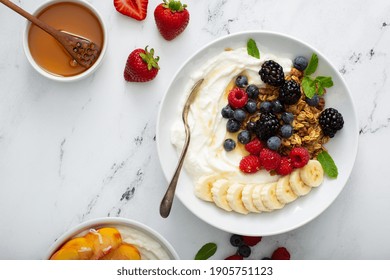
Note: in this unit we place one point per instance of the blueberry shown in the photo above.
(232, 125)
(227, 112)
(251, 106)
(265, 107)
(277, 107)
(244, 137)
(244, 251)
(236, 240)
(274, 143)
(252, 91)
(229, 145)
(300, 62)
(313, 101)
(239, 115)
(241, 81)
(287, 117)
(250, 126)
(286, 131)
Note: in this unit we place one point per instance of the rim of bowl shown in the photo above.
(112, 221)
(49, 75)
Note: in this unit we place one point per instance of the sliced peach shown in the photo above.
(123, 252)
(104, 240)
(76, 248)
(66, 254)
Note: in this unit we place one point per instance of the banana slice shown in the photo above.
(234, 195)
(219, 193)
(297, 185)
(203, 187)
(247, 198)
(312, 173)
(284, 193)
(268, 196)
(257, 202)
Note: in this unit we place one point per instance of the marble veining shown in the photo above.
(77, 151)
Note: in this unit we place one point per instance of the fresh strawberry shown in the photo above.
(299, 157)
(269, 159)
(251, 240)
(237, 98)
(171, 18)
(285, 166)
(234, 257)
(136, 9)
(250, 164)
(141, 66)
(280, 253)
(254, 147)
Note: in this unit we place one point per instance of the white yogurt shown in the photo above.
(206, 154)
(149, 248)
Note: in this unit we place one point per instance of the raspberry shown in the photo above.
(280, 254)
(285, 166)
(254, 147)
(269, 159)
(251, 240)
(237, 98)
(250, 164)
(299, 157)
(234, 257)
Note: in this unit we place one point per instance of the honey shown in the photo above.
(67, 16)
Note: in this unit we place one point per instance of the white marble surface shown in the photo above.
(72, 152)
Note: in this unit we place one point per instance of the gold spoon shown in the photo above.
(82, 50)
(166, 203)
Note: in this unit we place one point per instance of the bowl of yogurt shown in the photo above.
(218, 64)
(111, 238)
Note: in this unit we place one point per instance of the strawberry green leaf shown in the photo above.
(313, 64)
(252, 48)
(206, 251)
(328, 164)
(308, 86)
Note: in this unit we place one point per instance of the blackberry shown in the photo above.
(331, 121)
(266, 126)
(272, 73)
(290, 92)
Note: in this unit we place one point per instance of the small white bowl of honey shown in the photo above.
(46, 55)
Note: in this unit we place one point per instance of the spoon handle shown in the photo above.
(166, 203)
(52, 31)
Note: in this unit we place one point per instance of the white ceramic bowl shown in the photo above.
(122, 223)
(52, 76)
(343, 147)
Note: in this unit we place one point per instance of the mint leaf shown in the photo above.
(252, 49)
(328, 164)
(206, 251)
(308, 86)
(320, 89)
(326, 82)
(313, 64)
